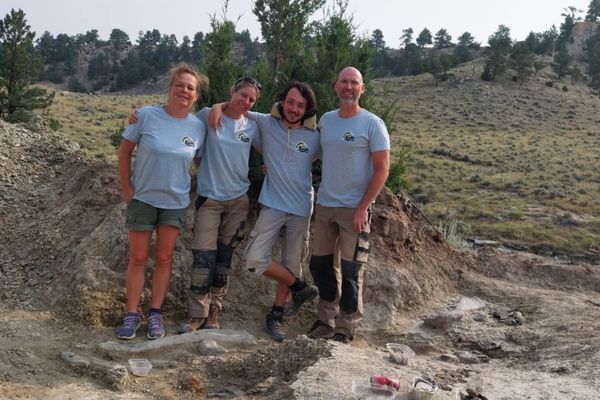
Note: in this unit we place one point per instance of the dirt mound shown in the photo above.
(69, 245)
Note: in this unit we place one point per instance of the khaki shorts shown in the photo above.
(259, 250)
(222, 221)
(144, 217)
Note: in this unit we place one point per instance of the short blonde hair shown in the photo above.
(185, 68)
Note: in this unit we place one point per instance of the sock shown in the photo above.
(298, 284)
(277, 309)
(154, 311)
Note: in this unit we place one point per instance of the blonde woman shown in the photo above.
(168, 138)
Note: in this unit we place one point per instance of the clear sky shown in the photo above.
(186, 17)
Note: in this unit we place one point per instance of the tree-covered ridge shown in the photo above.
(294, 48)
(85, 62)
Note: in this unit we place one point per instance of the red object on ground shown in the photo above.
(384, 380)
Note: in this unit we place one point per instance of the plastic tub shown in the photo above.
(369, 391)
(400, 353)
(140, 366)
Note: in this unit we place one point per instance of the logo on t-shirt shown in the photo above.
(188, 141)
(302, 147)
(242, 137)
(348, 137)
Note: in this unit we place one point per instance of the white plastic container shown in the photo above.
(369, 391)
(140, 366)
(400, 353)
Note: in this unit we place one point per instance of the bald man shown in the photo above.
(356, 158)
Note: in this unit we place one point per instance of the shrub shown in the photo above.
(397, 180)
(453, 232)
(54, 124)
(116, 137)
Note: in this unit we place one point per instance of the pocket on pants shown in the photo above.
(363, 247)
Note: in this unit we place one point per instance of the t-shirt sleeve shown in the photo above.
(260, 118)
(379, 138)
(202, 115)
(133, 132)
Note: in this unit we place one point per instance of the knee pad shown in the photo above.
(224, 254)
(202, 271)
(349, 298)
(203, 258)
(222, 265)
(238, 236)
(323, 273)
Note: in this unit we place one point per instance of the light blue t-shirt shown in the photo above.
(223, 173)
(166, 147)
(347, 145)
(288, 155)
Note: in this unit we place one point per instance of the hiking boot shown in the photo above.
(340, 337)
(212, 321)
(320, 330)
(274, 326)
(156, 327)
(191, 324)
(131, 323)
(299, 298)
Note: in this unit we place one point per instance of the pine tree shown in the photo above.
(19, 69)
(593, 12)
(500, 46)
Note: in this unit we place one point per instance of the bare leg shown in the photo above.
(166, 237)
(139, 244)
(281, 294)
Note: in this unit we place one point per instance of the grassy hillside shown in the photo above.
(518, 165)
(89, 120)
(499, 162)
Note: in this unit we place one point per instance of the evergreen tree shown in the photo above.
(424, 38)
(407, 37)
(593, 59)
(185, 50)
(593, 12)
(466, 43)
(219, 63)
(337, 46)
(547, 41)
(562, 60)
(442, 39)
(20, 67)
(283, 27)
(197, 44)
(118, 39)
(496, 61)
(570, 14)
(522, 62)
(381, 59)
(467, 40)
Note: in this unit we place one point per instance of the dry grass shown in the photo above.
(89, 120)
(519, 165)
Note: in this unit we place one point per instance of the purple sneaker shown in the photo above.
(131, 323)
(156, 327)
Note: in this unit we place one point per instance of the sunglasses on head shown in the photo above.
(248, 80)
